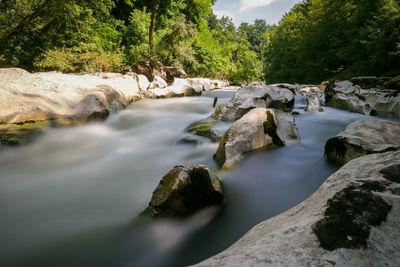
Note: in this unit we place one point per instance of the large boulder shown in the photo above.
(257, 129)
(150, 68)
(30, 102)
(185, 190)
(351, 220)
(248, 98)
(174, 72)
(142, 81)
(351, 103)
(313, 104)
(57, 96)
(361, 138)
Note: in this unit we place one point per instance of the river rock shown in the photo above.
(313, 104)
(351, 220)
(142, 81)
(361, 138)
(218, 84)
(248, 98)
(351, 103)
(366, 82)
(158, 82)
(150, 68)
(174, 72)
(259, 128)
(62, 97)
(185, 190)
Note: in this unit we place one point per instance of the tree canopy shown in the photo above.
(315, 41)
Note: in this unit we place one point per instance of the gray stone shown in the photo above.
(259, 128)
(313, 104)
(248, 98)
(361, 138)
(292, 238)
(185, 190)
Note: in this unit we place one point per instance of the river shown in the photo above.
(71, 198)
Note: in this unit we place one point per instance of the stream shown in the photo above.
(72, 197)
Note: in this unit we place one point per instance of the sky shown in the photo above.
(249, 10)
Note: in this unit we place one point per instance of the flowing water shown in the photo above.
(72, 197)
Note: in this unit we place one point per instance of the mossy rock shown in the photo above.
(21, 133)
(205, 128)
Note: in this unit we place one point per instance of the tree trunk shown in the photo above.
(153, 24)
(29, 18)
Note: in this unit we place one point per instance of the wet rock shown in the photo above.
(205, 128)
(248, 98)
(185, 190)
(361, 138)
(355, 207)
(392, 173)
(313, 104)
(259, 128)
(21, 133)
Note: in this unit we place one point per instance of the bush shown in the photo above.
(76, 60)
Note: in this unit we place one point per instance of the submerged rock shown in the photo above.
(351, 220)
(205, 128)
(185, 190)
(248, 98)
(361, 138)
(313, 104)
(257, 129)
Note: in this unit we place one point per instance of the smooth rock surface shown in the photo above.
(248, 98)
(185, 190)
(351, 103)
(158, 82)
(313, 104)
(257, 129)
(64, 97)
(361, 138)
(290, 239)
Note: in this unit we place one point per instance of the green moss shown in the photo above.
(204, 129)
(21, 133)
(350, 215)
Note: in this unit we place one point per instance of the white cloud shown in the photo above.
(250, 4)
(221, 13)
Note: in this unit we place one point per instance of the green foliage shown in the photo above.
(319, 40)
(77, 60)
(174, 45)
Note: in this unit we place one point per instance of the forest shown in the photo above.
(317, 40)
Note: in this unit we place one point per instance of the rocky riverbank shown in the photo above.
(30, 103)
(351, 220)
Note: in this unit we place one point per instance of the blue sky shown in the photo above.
(249, 10)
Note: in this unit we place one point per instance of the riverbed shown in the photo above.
(71, 198)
